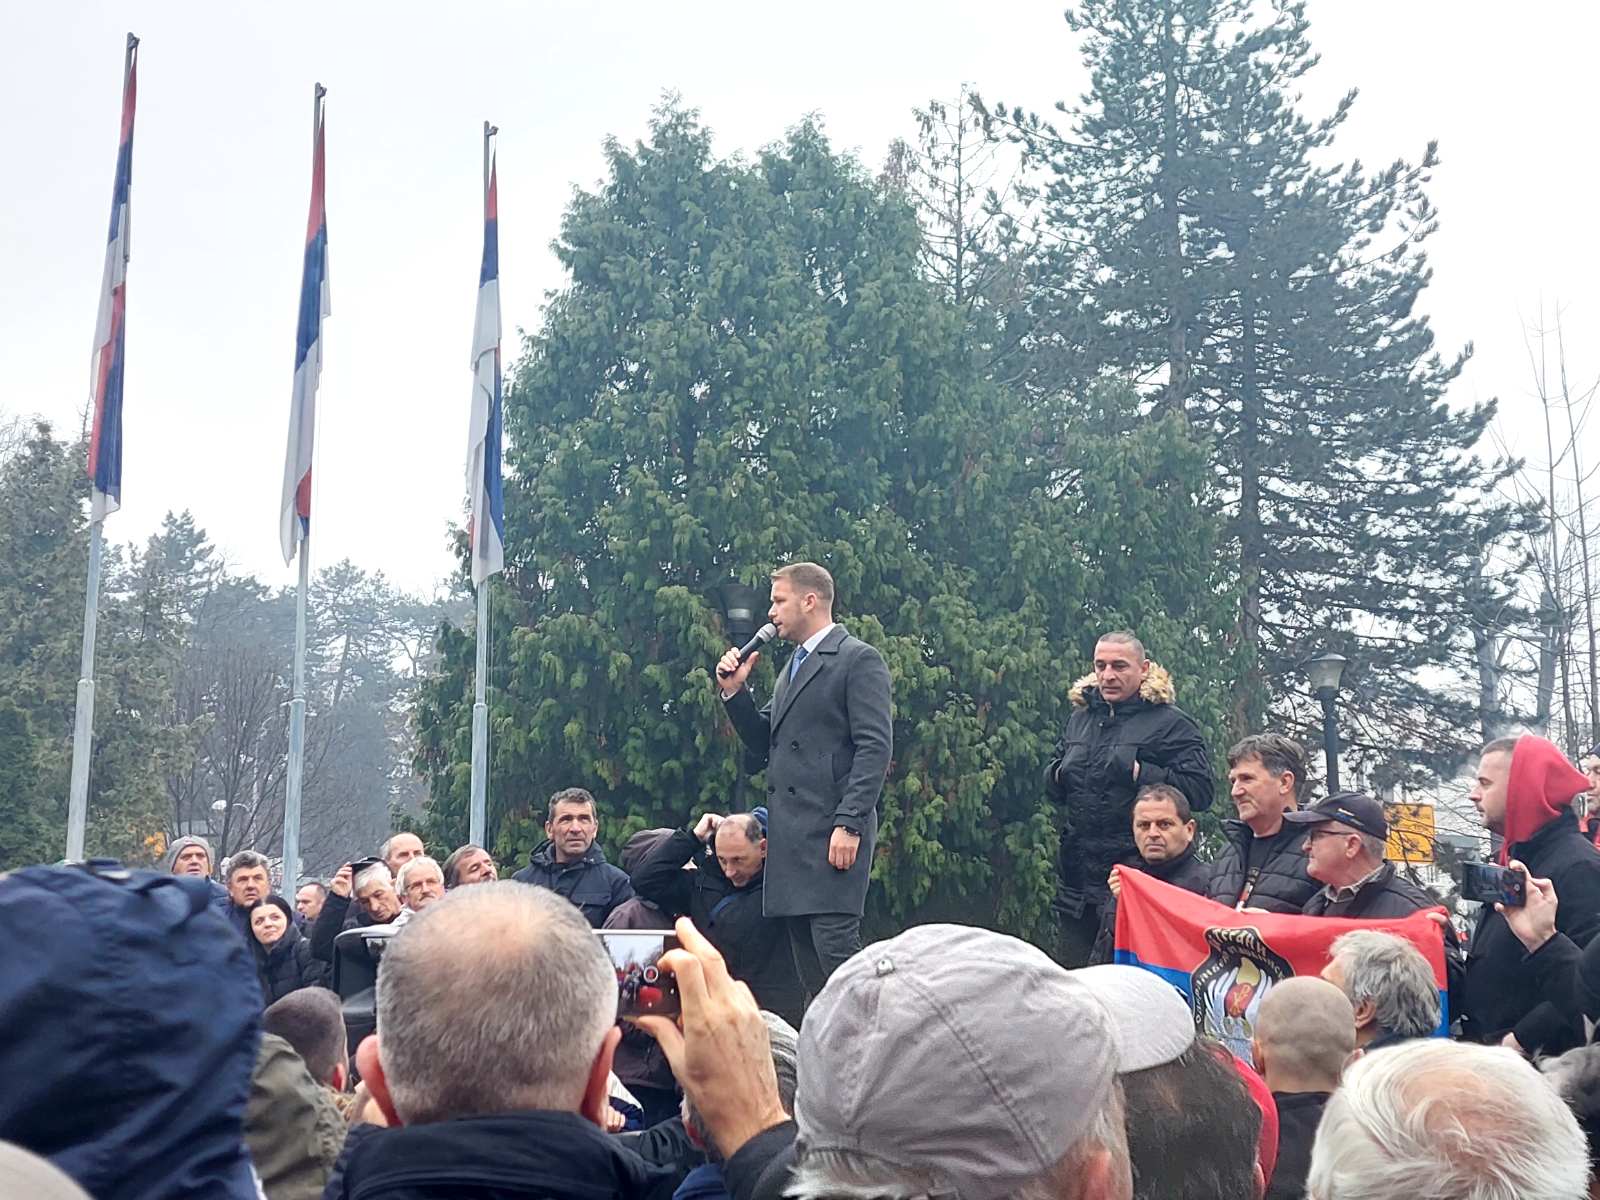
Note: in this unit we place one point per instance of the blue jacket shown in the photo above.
(705, 1182)
(590, 882)
(510, 1156)
(129, 1021)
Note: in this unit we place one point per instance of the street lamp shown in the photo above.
(741, 617)
(1325, 671)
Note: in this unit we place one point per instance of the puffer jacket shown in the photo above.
(590, 882)
(288, 965)
(1277, 864)
(1090, 778)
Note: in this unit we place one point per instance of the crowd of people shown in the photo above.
(173, 1033)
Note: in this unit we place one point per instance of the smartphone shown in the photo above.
(1492, 884)
(643, 988)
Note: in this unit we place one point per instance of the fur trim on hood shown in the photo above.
(1156, 689)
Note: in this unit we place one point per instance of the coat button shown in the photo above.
(794, 745)
(791, 789)
(771, 788)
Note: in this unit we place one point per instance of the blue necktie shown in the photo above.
(794, 664)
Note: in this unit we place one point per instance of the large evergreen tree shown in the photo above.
(1271, 297)
(746, 368)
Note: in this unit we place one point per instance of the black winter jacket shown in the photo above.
(590, 882)
(1090, 779)
(1277, 864)
(1505, 991)
(755, 946)
(1388, 894)
(288, 965)
(511, 1156)
(337, 915)
(1186, 871)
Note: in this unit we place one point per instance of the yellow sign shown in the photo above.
(1410, 833)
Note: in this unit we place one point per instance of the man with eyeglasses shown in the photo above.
(1345, 838)
(1346, 835)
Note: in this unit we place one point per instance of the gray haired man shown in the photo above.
(1435, 1119)
(1389, 984)
(497, 1014)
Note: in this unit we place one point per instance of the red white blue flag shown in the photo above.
(1225, 961)
(294, 515)
(110, 332)
(487, 530)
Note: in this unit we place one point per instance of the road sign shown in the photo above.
(1411, 833)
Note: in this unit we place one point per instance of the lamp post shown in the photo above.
(741, 617)
(1324, 671)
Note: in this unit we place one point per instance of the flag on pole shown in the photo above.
(294, 515)
(487, 529)
(105, 401)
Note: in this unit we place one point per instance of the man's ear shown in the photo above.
(1366, 1011)
(1191, 827)
(339, 1078)
(369, 1061)
(597, 1091)
(763, 847)
(1258, 1060)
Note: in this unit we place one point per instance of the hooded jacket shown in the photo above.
(1280, 883)
(1090, 779)
(590, 882)
(511, 1156)
(129, 1019)
(1503, 992)
(288, 965)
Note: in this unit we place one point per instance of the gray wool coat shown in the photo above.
(826, 740)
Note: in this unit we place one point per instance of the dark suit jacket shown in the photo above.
(826, 741)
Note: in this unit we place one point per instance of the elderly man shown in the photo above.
(1389, 984)
(1345, 836)
(1437, 1118)
(706, 1182)
(421, 882)
(723, 897)
(1261, 864)
(192, 856)
(571, 863)
(399, 850)
(1524, 793)
(1305, 1034)
(469, 864)
(376, 894)
(511, 980)
(249, 880)
(1125, 732)
(946, 1061)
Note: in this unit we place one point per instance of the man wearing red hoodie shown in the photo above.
(1524, 792)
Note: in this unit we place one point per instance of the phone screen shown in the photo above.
(643, 988)
(1492, 884)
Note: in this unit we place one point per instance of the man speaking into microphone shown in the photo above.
(825, 739)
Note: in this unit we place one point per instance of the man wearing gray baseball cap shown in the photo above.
(949, 1061)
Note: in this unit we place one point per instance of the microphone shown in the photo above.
(763, 635)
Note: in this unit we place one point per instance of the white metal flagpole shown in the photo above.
(83, 721)
(297, 728)
(477, 821)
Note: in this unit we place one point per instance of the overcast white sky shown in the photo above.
(221, 176)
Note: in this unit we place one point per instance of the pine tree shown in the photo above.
(1272, 299)
(748, 368)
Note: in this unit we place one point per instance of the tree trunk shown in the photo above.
(1172, 230)
(1248, 704)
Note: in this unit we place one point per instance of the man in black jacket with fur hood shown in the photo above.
(1125, 732)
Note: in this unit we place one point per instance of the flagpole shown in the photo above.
(297, 702)
(83, 715)
(478, 816)
(297, 727)
(83, 721)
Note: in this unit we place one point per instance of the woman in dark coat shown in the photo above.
(283, 954)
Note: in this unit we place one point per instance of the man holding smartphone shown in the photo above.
(825, 739)
(1524, 792)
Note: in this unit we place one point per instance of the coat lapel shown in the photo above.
(809, 669)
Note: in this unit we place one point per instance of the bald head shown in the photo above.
(497, 998)
(1305, 1033)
